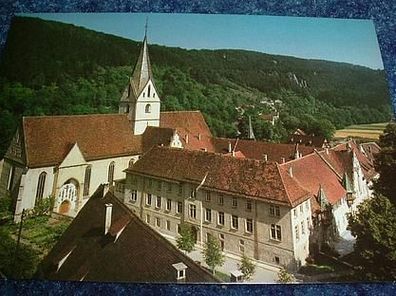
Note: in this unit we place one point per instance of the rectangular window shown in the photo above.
(234, 222)
(249, 225)
(158, 222)
(249, 205)
(133, 195)
(208, 215)
(302, 228)
(241, 246)
(220, 200)
(207, 196)
(168, 204)
(178, 228)
(148, 199)
(168, 225)
(276, 232)
(179, 207)
(234, 202)
(158, 203)
(274, 211)
(295, 213)
(220, 218)
(148, 219)
(297, 233)
(169, 188)
(193, 211)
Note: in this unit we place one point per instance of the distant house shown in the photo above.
(302, 138)
(271, 118)
(107, 242)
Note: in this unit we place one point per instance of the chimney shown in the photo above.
(265, 157)
(291, 171)
(229, 147)
(186, 138)
(283, 160)
(109, 208)
(327, 151)
(199, 136)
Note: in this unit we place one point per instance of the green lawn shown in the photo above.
(39, 234)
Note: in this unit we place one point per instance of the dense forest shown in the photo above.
(49, 68)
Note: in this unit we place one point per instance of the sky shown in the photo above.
(341, 40)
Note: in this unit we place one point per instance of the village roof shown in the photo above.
(312, 173)
(308, 140)
(257, 149)
(236, 176)
(130, 252)
(48, 139)
(191, 127)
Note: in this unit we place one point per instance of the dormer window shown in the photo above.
(148, 108)
(180, 271)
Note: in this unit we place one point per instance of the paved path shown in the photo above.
(263, 274)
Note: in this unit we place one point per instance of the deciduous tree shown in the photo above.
(213, 254)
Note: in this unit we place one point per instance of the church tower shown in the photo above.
(140, 98)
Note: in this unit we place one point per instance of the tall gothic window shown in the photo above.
(110, 176)
(149, 91)
(87, 180)
(148, 108)
(40, 186)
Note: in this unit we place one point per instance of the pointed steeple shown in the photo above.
(322, 198)
(251, 134)
(142, 72)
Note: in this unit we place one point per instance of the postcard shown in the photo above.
(181, 148)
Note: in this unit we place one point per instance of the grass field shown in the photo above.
(364, 131)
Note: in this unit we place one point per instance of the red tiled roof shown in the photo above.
(139, 254)
(48, 139)
(154, 136)
(191, 123)
(257, 149)
(245, 177)
(311, 172)
(307, 140)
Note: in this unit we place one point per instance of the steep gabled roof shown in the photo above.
(49, 138)
(191, 127)
(243, 177)
(312, 173)
(257, 149)
(142, 72)
(130, 252)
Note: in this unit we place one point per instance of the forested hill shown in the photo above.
(53, 68)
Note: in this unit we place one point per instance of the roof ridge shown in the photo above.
(182, 111)
(328, 164)
(71, 115)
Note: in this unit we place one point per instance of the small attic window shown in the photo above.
(149, 91)
(148, 108)
(180, 270)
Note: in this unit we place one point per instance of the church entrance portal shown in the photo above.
(64, 208)
(67, 197)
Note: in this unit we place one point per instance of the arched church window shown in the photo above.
(148, 108)
(40, 186)
(153, 94)
(110, 175)
(149, 91)
(87, 180)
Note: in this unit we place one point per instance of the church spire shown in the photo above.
(142, 72)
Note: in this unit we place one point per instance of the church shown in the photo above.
(68, 157)
(260, 199)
